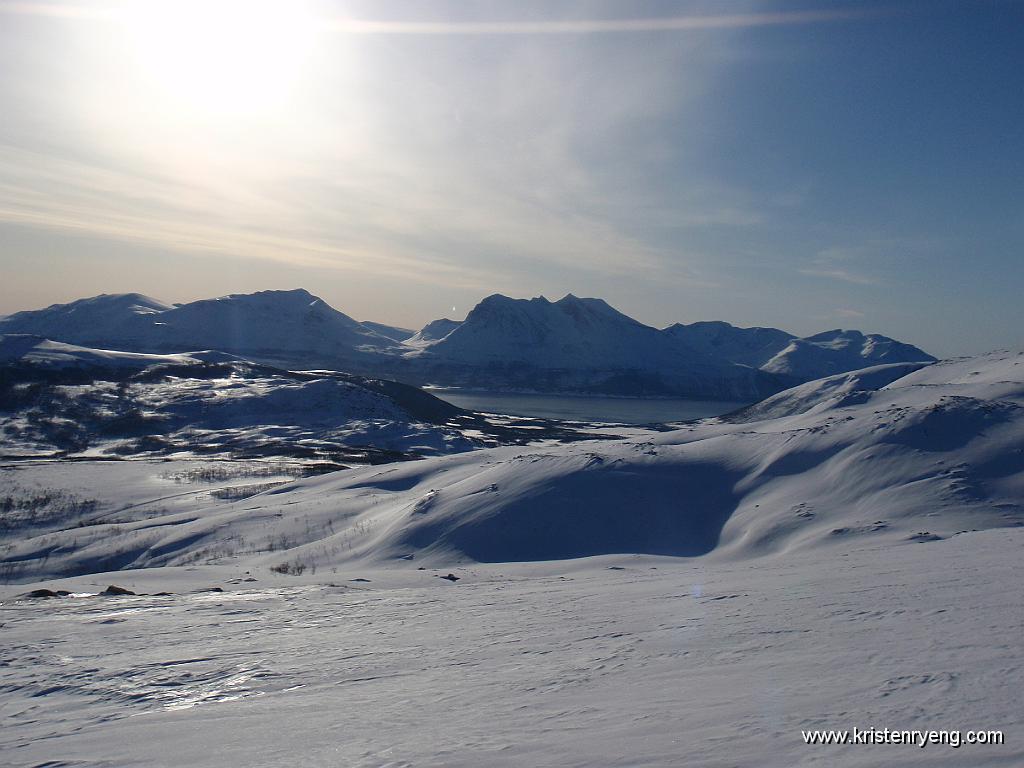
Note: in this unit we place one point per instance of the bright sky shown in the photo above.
(795, 164)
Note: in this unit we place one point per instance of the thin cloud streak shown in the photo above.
(592, 26)
(839, 274)
(561, 27)
(45, 192)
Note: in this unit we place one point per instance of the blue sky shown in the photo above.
(802, 165)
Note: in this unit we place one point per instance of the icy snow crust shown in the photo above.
(845, 554)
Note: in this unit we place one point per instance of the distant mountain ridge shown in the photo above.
(571, 345)
(586, 345)
(279, 327)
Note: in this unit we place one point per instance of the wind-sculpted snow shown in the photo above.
(600, 663)
(889, 454)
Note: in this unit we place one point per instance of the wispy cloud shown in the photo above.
(594, 26)
(843, 275)
(397, 160)
(832, 263)
(44, 191)
(446, 158)
(849, 313)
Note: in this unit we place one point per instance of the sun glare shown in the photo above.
(221, 57)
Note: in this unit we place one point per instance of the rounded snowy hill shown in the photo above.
(747, 346)
(837, 351)
(100, 319)
(277, 325)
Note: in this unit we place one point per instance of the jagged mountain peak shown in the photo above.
(540, 308)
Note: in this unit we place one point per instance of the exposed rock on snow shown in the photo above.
(66, 400)
(115, 591)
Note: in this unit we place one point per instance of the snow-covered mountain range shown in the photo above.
(573, 344)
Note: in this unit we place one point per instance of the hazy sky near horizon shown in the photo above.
(805, 165)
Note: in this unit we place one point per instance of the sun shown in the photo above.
(220, 57)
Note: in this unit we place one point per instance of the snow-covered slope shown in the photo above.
(604, 664)
(838, 351)
(850, 559)
(434, 331)
(803, 359)
(823, 394)
(388, 331)
(880, 457)
(100, 319)
(278, 326)
(746, 346)
(46, 354)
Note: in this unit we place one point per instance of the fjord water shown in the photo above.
(618, 410)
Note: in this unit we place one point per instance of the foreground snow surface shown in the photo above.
(847, 555)
(625, 661)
